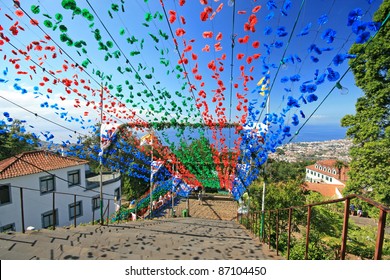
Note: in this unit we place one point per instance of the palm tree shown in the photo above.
(339, 165)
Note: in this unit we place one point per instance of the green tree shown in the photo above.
(14, 139)
(282, 171)
(369, 127)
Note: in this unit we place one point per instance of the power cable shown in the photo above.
(338, 82)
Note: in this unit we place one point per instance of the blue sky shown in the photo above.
(148, 62)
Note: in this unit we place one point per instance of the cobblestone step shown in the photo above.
(158, 239)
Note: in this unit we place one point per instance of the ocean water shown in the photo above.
(318, 133)
(309, 133)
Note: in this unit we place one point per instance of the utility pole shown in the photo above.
(264, 183)
(172, 198)
(101, 157)
(151, 181)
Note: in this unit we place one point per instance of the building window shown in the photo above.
(47, 184)
(334, 171)
(329, 170)
(95, 202)
(78, 207)
(117, 194)
(326, 178)
(9, 227)
(74, 178)
(330, 179)
(5, 194)
(48, 219)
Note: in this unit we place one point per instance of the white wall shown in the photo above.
(317, 177)
(35, 203)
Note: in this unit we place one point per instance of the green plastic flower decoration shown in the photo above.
(48, 23)
(69, 4)
(59, 17)
(35, 9)
(63, 28)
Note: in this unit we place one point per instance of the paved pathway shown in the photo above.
(174, 238)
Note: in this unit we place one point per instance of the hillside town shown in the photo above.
(323, 150)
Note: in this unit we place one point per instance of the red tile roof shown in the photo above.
(328, 190)
(35, 162)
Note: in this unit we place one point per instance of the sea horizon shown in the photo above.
(309, 133)
(320, 133)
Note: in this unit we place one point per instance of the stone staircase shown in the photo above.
(159, 239)
(212, 207)
(210, 233)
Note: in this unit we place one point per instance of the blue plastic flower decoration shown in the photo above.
(354, 15)
(373, 26)
(292, 102)
(323, 19)
(358, 27)
(269, 16)
(362, 38)
(278, 44)
(284, 79)
(311, 48)
(271, 5)
(281, 31)
(305, 30)
(311, 98)
(267, 30)
(329, 35)
(339, 59)
(295, 78)
(311, 88)
(332, 75)
(314, 59)
(317, 50)
(287, 5)
(321, 79)
(295, 120)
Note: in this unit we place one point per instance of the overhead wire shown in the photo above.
(178, 52)
(282, 58)
(338, 82)
(127, 60)
(66, 53)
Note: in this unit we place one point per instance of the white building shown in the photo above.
(326, 178)
(39, 188)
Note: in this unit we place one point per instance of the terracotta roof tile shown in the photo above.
(35, 162)
(328, 190)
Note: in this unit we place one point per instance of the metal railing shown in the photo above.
(252, 221)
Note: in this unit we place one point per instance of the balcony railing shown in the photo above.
(274, 219)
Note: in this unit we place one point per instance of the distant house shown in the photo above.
(326, 177)
(42, 189)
